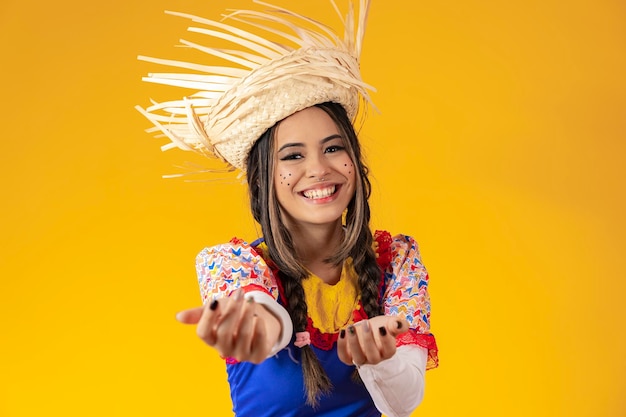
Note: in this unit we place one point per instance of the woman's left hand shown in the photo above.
(369, 342)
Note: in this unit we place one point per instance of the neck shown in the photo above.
(316, 243)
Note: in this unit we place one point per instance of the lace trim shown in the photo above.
(425, 340)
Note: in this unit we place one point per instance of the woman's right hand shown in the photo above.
(237, 327)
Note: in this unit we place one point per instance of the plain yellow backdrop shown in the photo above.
(499, 145)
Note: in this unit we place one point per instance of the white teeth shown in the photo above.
(319, 193)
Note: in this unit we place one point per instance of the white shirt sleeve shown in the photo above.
(397, 384)
(281, 314)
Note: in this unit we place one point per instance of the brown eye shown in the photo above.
(291, 157)
(334, 148)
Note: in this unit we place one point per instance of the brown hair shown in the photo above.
(357, 242)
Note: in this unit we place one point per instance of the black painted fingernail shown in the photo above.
(213, 305)
(351, 329)
(342, 333)
(399, 324)
(250, 300)
(383, 331)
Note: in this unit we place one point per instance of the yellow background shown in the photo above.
(499, 145)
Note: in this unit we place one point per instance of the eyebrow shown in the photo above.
(296, 144)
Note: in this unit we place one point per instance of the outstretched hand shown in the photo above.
(370, 341)
(236, 327)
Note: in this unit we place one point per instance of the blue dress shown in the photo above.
(276, 388)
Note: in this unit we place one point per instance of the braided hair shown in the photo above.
(356, 244)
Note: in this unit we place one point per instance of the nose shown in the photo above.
(317, 166)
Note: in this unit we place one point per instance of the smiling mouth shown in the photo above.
(319, 193)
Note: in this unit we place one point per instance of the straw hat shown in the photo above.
(230, 107)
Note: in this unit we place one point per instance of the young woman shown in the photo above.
(319, 317)
(303, 174)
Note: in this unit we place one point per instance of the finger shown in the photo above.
(244, 332)
(226, 328)
(208, 322)
(396, 326)
(369, 347)
(259, 348)
(387, 343)
(190, 316)
(342, 348)
(354, 347)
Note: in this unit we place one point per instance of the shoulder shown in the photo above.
(234, 248)
(405, 246)
(234, 257)
(403, 267)
(394, 249)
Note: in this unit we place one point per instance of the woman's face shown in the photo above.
(314, 177)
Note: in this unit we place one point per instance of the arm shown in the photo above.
(393, 360)
(394, 376)
(241, 317)
(397, 384)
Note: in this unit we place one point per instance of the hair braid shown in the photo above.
(316, 381)
(369, 276)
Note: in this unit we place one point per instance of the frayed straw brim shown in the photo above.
(232, 107)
